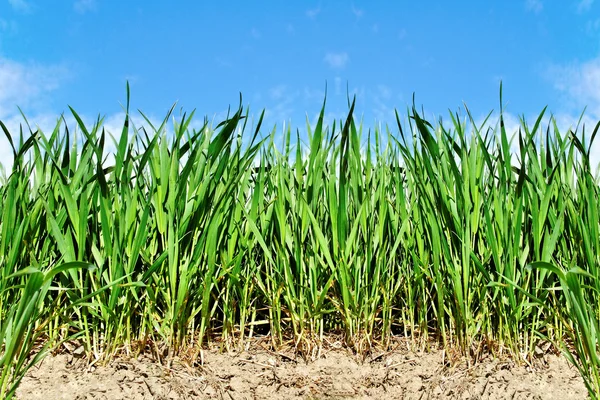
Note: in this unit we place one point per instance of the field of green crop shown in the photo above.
(484, 240)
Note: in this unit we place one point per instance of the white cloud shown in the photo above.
(6, 154)
(315, 96)
(337, 60)
(9, 26)
(112, 124)
(357, 12)
(328, 118)
(223, 62)
(564, 122)
(20, 5)
(284, 100)
(83, 6)
(313, 12)
(579, 82)
(26, 84)
(277, 92)
(592, 27)
(384, 91)
(336, 108)
(338, 85)
(535, 6)
(584, 5)
(383, 104)
(44, 122)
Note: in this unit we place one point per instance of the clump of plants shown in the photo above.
(183, 235)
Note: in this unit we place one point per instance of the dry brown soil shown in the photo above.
(337, 374)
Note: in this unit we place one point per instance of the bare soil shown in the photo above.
(337, 374)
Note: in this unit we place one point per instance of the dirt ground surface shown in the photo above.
(337, 374)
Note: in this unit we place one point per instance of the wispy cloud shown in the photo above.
(277, 92)
(223, 62)
(313, 95)
(584, 5)
(26, 84)
(566, 122)
(20, 5)
(592, 27)
(8, 26)
(282, 109)
(83, 6)
(535, 6)
(579, 82)
(383, 103)
(255, 33)
(338, 85)
(313, 12)
(337, 104)
(384, 91)
(44, 122)
(337, 60)
(357, 11)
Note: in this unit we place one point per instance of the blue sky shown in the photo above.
(280, 55)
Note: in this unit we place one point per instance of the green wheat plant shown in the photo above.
(23, 322)
(202, 234)
(580, 316)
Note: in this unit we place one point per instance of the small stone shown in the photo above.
(79, 352)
